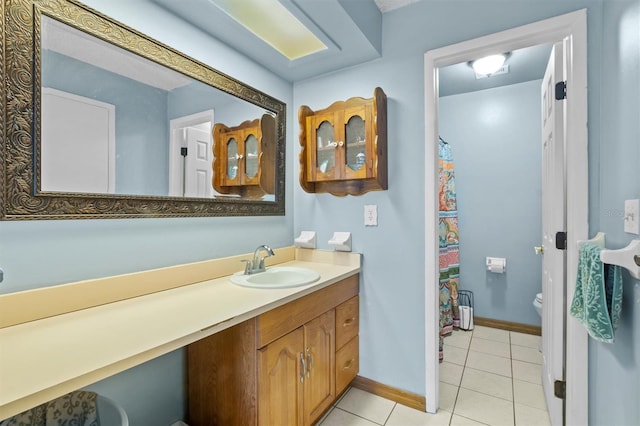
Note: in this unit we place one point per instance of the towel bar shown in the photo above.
(627, 257)
(597, 240)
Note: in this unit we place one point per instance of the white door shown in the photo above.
(198, 166)
(553, 221)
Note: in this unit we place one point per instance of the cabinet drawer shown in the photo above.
(347, 364)
(347, 320)
(281, 320)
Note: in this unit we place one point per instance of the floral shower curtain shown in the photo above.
(449, 257)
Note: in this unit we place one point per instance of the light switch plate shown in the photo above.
(632, 216)
(371, 215)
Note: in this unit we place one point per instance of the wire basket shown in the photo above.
(465, 308)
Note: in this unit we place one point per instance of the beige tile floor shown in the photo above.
(488, 377)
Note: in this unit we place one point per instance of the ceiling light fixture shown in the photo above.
(274, 24)
(489, 64)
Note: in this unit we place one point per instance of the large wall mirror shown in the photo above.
(102, 121)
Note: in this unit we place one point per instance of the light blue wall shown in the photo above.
(392, 289)
(41, 253)
(142, 116)
(142, 147)
(392, 308)
(495, 137)
(392, 304)
(614, 369)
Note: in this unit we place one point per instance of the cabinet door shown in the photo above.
(347, 364)
(319, 384)
(323, 144)
(251, 167)
(280, 381)
(233, 148)
(358, 147)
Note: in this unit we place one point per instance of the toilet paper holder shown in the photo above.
(496, 264)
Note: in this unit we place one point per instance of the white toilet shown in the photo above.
(537, 303)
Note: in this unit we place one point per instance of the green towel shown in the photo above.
(597, 301)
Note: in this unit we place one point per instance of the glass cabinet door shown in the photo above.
(355, 146)
(232, 159)
(326, 146)
(251, 155)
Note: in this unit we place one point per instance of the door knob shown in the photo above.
(539, 249)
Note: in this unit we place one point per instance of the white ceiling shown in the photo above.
(351, 28)
(353, 31)
(524, 65)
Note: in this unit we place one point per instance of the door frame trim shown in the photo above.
(175, 164)
(574, 27)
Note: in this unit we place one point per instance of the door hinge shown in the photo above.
(183, 151)
(560, 389)
(561, 90)
(561, 240)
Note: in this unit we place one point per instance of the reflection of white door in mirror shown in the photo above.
(190, 169)
(78, 144)
(198, 169)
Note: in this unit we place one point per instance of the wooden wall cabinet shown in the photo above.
(244, 158)
(344, 146)
(280, 368)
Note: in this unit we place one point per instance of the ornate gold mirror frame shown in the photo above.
(21, 196)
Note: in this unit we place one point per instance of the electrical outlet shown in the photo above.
(632, 216)
(371, 215)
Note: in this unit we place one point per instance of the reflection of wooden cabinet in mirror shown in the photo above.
(344, 146)
(243, 158)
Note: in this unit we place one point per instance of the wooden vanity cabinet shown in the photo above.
(344, 147)
(281, 367)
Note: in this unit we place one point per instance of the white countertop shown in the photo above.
(46, 358)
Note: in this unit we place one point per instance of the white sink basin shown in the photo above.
(277, 277)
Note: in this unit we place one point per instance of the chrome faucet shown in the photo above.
(258, 262)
